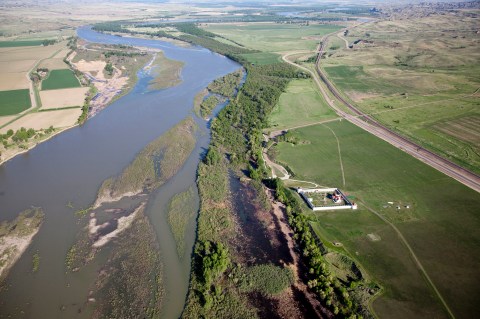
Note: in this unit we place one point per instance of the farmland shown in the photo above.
(414, 75)
(53, 99)
(271, 37)
(14, 102)
(10, 44)
(427, 224)
(60, 79)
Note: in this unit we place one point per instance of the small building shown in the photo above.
(319, 199)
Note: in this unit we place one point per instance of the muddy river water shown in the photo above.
(68, 169)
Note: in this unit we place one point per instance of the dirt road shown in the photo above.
(370, 125)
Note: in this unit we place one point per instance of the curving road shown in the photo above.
(372, 126)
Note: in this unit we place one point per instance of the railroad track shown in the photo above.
(371, 125)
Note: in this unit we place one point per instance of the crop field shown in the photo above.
(466, 129)
(43, 120)
(53, 64)
(13, 81)
(301, 104)
(60, 79)
(15, 54)
(415, 75)
(10, 44)
(271, 37)
(437, 216)
(14, 101)
(17, 66)
(53, 99)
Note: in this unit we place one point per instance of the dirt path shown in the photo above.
(367, 123)
(339, 154)
(414, 257)
(340, 36)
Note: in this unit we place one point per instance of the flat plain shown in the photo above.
(440, 220)
(42, 120)
(52, 99)
(415, 75)
(14, 101)
(60, 79)
(272, 37)
(301, 104)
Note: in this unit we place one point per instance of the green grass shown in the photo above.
(442, 220)
(10, 44)
(181, 210)
(262, 58)
(301, 104)
(271, 37)
(60, 79)
(14, 101)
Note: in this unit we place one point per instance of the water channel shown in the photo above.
(70, 168)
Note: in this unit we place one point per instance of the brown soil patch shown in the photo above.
(107, 88)
(263, 236)
(5, 119)
(13, 81)
(53, 64)
(16, 66)
(60, 118)
(52, 99)
(360, 96)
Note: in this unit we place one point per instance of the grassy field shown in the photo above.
(271, 37)
(60, 79)
(301, 104)
(11, 44)
(262, 58)
(441, 219)
(416, 79)
(14, 102)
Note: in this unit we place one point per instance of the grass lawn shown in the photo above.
(28, 43)
(272, 37)
(14, 102)
(301, 104)
(60, 79)
(441, 223)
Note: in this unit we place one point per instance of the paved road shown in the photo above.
(371, 125)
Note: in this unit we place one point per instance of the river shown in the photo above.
(70, 167)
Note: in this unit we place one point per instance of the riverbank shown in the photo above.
(16, 236)
(92, 60)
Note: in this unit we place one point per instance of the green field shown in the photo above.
(441, 223)
(28, 43)
(415, 82)
(301, 104)
(262, 58)
(271, 37)
(14, 102)
(60, 79)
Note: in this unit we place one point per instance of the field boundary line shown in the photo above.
(414, 257)
(339, 153)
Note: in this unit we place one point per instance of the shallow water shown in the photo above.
(71, 167)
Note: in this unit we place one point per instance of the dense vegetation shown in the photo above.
(120, 290)
(334, 292)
